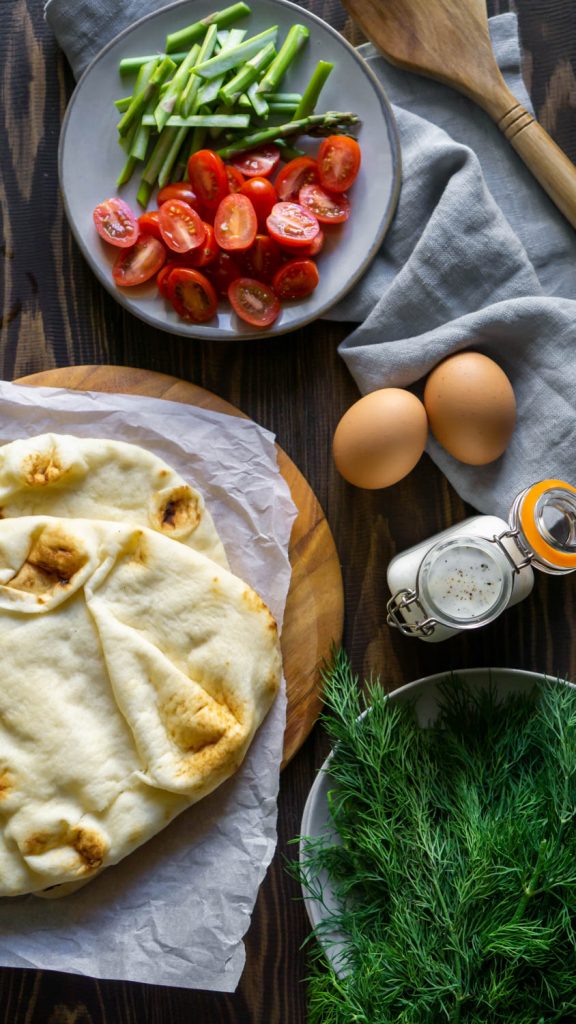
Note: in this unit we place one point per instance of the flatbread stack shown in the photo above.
(136, 667)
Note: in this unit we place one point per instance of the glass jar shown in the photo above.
(466, 576)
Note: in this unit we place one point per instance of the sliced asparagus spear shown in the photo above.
(228, 59)
(248, 73)
(140, 100)
(308, 101)
(184, 38)
(315, 124)
(294, 41)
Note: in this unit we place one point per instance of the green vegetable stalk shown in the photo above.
(128, 65)
(208, 93)
(185, 37)
(188, 100)
(170, 98)
(297, 36)
(316, 124)
(308, 101)
(249, 73)
(140, 99)
(228, 59)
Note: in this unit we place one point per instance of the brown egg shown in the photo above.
(471, 407)
(380, 438)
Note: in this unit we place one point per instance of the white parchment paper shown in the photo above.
(175, 911)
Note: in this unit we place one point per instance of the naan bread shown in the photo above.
(86, 478)
(135, 672)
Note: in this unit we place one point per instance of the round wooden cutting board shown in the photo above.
(315, 606)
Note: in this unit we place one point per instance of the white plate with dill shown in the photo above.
(91, 160)
(438, 851)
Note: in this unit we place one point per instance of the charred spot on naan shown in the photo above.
(195, 721)
(227, 754)
(272, 684)
(178, 512)
(6, 784)
(53, 561)
(40, 469)
(90, 845)
(255, 603)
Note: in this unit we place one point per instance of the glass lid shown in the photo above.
(465, 581)
(547, 523)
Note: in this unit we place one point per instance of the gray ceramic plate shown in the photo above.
(316, 819)
(90, 160)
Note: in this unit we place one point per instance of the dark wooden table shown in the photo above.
(54, 313)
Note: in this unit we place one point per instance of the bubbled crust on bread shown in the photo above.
(62, 475)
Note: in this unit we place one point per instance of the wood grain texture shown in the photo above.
(53, 313)
(449, 40)
(315, 603)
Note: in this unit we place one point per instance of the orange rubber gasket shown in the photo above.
(528, 522)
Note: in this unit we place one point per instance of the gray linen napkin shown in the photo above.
(477, 257)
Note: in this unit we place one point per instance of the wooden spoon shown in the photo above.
(449, 40)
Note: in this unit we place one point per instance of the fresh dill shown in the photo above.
(454, 861)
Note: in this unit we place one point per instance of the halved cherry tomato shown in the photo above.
(235, 224)
(328, 209)
(223, 272)
(206, 253)
(339, 160)
(192, 295)
(262, 195)
(180, 226)
(257, 162)
(316, 246)
(262, 259)
(293, 176)
(235, 179)
(208, 177)
(162, 277)
(290, 224)
(254, 301)
(296, 279)
(149, 224)
(140, 262)
(178, 190)
(116, 223)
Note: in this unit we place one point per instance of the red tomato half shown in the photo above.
(296, 279)
(206, 253)
(316, 246)
(178, 190)
(257, 162)
(262, 195)
(192, 295)
(116, 223)
(208, 177)
(338, 162)
(328, 209)
(149, 224)
(223, 272)
(293, 176)
(290, 224)
(253, 301)
(235, 224)
(139, 263)
(162, 278)
(262, 259)
(235, 179)
(180, 226)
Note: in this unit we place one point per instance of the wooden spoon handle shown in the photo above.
(548, 163)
